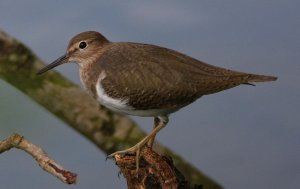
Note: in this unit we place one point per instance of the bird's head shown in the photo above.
(82, 49)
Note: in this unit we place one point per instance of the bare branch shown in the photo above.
(44, 161)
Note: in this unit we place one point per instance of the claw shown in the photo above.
(136, 149)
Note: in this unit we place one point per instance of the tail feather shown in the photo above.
(223, 83)
(260, 78)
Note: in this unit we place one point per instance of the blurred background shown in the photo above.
(246, 137)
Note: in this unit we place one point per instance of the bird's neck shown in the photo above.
(90, 69)
(88, 77)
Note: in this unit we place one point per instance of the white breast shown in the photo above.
(118, 105)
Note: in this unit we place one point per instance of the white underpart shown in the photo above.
(121, 105)
(118, 105)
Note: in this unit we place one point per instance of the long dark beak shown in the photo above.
(61, 60)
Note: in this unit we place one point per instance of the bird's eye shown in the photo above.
(82, 45)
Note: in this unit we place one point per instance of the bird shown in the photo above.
(145, 80)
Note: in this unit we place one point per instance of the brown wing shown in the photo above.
(155, 77)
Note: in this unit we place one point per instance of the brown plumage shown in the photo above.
(153, 77)
(145, 80)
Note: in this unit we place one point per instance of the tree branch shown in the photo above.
(109, 131)
(155, 171)
(44, 161)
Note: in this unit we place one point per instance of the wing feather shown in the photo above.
(153, 77)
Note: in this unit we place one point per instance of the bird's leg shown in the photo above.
(163, 120)
(156, 123)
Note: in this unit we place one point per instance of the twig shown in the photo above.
(18, 141)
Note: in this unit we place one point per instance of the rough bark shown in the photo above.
(155, 171)
(109, 131)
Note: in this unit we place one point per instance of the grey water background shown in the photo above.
(246, 137)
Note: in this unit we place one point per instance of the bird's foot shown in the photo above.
(161, 122)
(136, 149)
